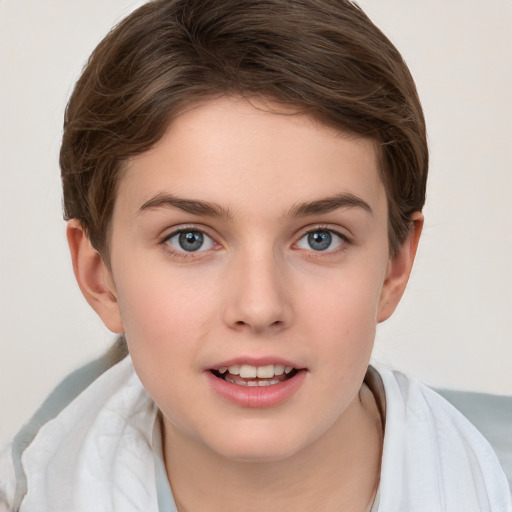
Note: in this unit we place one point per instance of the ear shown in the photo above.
(399, 269)
(94, 277)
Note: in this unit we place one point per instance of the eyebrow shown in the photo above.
(192, 206)
(197, 207)
(329, 204)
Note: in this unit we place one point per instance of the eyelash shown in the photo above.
(344, 240)
(184, 255)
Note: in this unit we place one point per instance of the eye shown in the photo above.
(321, 240)
(189, 240)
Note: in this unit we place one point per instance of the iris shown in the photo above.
(191, 241)
(319, 240)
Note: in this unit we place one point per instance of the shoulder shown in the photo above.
(492, 416)
(433, 452)
(67, 436)
(13, 484)
(7, 479)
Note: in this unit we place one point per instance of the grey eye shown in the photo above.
(190, 241)
(320, 240)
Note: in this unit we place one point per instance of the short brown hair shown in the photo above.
(325, 57)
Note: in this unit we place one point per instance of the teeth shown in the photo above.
(278, 369)
(247, 371)
(265, 372)
(254, 383)
(234, 370)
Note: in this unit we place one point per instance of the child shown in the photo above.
(244, 184)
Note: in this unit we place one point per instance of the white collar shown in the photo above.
(97, 453)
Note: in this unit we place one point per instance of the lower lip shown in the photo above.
(256, 397)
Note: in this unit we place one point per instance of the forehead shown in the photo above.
(245, 154)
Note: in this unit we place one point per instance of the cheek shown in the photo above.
(159, 301)
(165, 321)
(346, 302)
(165, 329)
(342, 322)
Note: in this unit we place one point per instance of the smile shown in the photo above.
(255, 376)
(258, 386)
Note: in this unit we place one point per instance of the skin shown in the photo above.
(256, 288)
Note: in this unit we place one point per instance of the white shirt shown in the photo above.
(102, 452)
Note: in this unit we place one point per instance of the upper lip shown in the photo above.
(256, 361)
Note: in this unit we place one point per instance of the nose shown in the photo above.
(257, 295)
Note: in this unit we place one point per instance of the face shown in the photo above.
(250, 266)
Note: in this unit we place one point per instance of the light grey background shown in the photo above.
(454, 325)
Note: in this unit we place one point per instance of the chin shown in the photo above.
(257, 454)
(259, 445)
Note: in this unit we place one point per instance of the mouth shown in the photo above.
(255, 376)
(263, 385)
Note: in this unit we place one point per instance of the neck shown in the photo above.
(339, 471)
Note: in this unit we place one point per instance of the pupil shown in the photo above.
(319, 240)
(191, 240)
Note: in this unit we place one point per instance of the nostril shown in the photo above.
(273, 325)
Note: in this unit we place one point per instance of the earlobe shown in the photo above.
(94, 277)
(399, 270)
